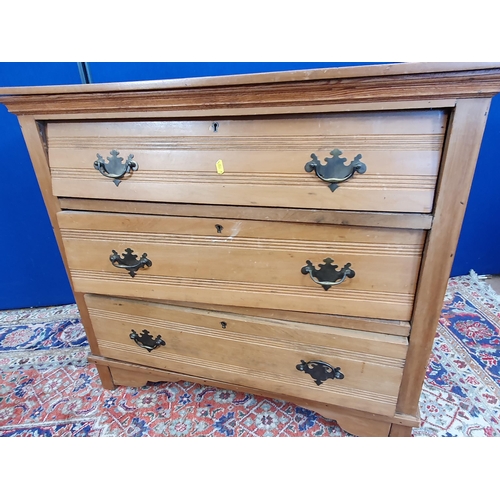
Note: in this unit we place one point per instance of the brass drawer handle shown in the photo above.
(129, 261)
(146, 340)
(319, 371)
(335, 171)
(327, 275)
(115, 169)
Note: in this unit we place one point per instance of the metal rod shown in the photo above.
(84, 70)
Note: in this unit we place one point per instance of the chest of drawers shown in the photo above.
(286, 234)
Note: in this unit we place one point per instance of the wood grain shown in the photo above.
(247, 264)
(33, 135)
(255, 351)
(263, 160)
(363, 427)
(144, 374)
(390, 327)
(400, 431)
(256, 110)
(345, 218)
(270, 77)
(107, 380)
(460, 158)
(131, 378)
(468, 83)
(417, 126)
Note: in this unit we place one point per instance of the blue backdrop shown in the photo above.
(34, 275)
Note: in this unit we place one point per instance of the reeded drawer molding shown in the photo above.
(247, 264)
(341, 247)
(373, 304)
(302, 388)
(146, 374)
(259, 352)
(390, 327)
(404, 164)
(246, 338)
(263, 159)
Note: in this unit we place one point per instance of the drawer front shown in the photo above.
(253, 352)
(245, 263)
(263, 160)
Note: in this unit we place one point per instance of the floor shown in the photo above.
(48, 389)
(494, 282)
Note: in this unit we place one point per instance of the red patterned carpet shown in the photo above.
(48, 388)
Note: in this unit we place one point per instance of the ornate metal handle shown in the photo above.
(115, 169)
(335, 171)
(327, 275)
(146, 340)
(129, 261)
(319, 370)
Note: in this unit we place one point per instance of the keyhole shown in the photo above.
(219, 228)
(223, 324)
(215, 126)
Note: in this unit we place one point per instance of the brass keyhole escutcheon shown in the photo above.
(223, 324)
(214, 127)
(219, 228)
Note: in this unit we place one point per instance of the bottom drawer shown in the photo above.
(270, 355)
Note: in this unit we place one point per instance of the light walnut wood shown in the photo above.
(263, 160)
(400, 431)
(460, 157)
(248, 264)
(259, 352)
(320, 87)
(363, 427)
(155, 375)
(345, 218)
(396, 116)
(34, 142)
(136, 379)
(270, 77)
(400, 328)
(254, 110)
(106, 377)
(353, 421)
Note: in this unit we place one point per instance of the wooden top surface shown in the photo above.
(378, 70)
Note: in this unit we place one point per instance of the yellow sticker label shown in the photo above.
(220, 167)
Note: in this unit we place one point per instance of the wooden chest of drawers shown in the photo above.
(285, 234)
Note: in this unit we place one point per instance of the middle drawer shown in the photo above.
(352, 271)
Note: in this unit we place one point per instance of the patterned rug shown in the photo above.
(48, 388)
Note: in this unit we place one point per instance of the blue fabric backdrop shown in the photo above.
(34, 275)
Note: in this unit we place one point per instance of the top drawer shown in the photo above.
(263, 159)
